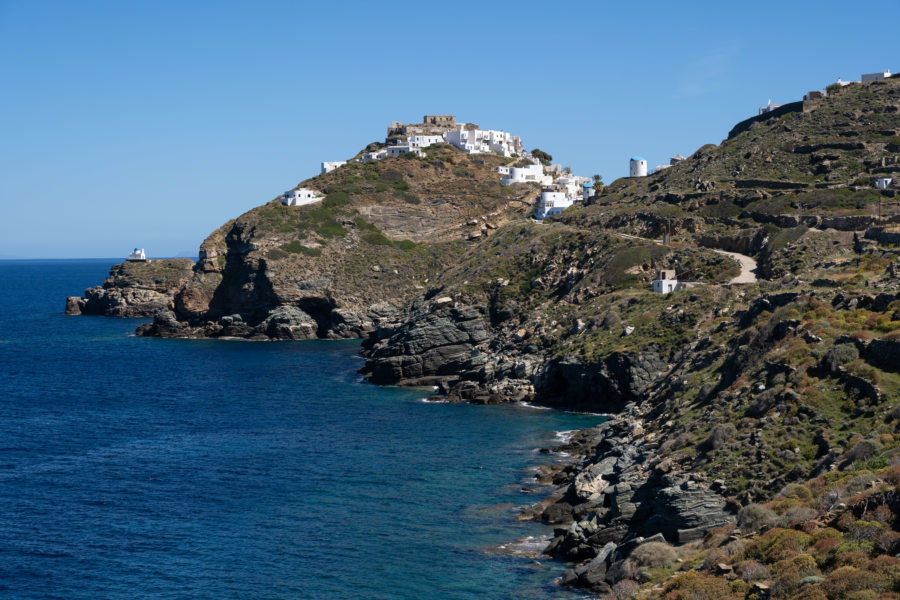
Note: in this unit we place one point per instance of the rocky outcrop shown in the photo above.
(605, 386)
(134, 289)
(622, 496)
(438, 341)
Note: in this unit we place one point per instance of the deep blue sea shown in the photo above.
(148, 468)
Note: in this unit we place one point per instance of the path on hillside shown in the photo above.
(748, 267)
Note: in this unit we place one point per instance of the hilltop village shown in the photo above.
(560, 189)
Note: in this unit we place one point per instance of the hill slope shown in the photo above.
(336, 268)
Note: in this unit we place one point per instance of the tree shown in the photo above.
(542, 156)
(598, 180)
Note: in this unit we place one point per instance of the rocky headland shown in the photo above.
(135, 289)
(753, 445)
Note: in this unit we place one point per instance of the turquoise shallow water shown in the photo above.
(146, 468)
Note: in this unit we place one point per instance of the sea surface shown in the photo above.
(149, 468)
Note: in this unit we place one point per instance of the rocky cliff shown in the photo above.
(135, 289)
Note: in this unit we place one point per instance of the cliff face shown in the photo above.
(134, 289)
(338, 268)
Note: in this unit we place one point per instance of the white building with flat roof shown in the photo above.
(883, 183)
(423, 141)
(551, 202)
(479, 141)
(526, 174)
(300, 196)
(328, 167)
(137, 254)
(403, 149)
(665, 282)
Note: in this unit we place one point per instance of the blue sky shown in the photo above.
(152, 123)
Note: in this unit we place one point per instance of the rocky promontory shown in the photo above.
(135, 289)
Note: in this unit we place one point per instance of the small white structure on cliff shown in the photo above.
(328, 167)
(883, 183)
(587, 190)
(551, 202)
(665, 282)
(300, 196)
(637, 167)
(137, 254)
(769, 107)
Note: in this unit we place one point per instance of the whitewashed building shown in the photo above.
(883, 183)
(300, 196)
(587, 190)
(423, 141)
(403, 149)
(843, 83)
(637, 167)
(374, 155)
(867, 77)
(327, 167)
(528, 174)
(665, 282)
(137, 254)
(478, 141)
(769, 107)
(551, 202)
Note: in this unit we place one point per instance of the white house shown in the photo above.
(769, 107)
(137, 254)
(637, 167)
(866, 77)
(665, 282)
(551, 203)
(527, 174)
(842, 83)
(374, 155)
(300, 196)
(477, 141)
(423, 141)
(659, 168)
(403, 149)
(883, 183)
(327, 167)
